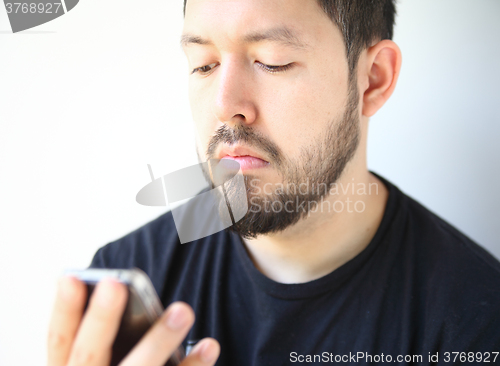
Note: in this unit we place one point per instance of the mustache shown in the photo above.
(242, 133)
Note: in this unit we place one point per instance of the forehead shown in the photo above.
(300, 23)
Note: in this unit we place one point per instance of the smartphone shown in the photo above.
(142, 309)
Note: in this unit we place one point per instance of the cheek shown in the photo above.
(297, 116)
(202, 116)
(195, 102)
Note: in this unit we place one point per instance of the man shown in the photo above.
(331, 263)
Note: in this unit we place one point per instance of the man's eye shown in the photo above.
(204, 69)
(275, 68)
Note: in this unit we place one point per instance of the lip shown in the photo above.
(239, 151)
(246, 157)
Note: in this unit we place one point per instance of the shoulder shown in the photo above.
(456, 282)
(139, 245)
(157, 248)
(443, 248)
(431, 241)
(149, 248)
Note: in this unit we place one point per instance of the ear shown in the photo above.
(382, 67)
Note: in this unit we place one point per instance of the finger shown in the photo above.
(66, 316)
(99, 325)
(205, 353)
(155, 348)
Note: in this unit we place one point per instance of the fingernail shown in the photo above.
(67, 288)
(106, 293)
(207, 353)
(177, 317)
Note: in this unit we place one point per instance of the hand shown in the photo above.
(78, 339)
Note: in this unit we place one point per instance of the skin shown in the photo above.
(291, 109)
(86, 339)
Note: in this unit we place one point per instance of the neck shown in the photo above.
(327, 238)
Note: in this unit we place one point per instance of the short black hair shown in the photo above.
(362, 22)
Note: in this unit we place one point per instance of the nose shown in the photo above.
(234, 103)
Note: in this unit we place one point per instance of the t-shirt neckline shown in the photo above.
(334, 279)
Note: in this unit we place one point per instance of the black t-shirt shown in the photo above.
(419, 289)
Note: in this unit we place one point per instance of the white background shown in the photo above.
(87, 100)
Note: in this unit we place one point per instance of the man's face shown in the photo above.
(271, 76)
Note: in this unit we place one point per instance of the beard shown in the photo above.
(319, 166)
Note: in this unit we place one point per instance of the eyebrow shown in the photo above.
(282, 35)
